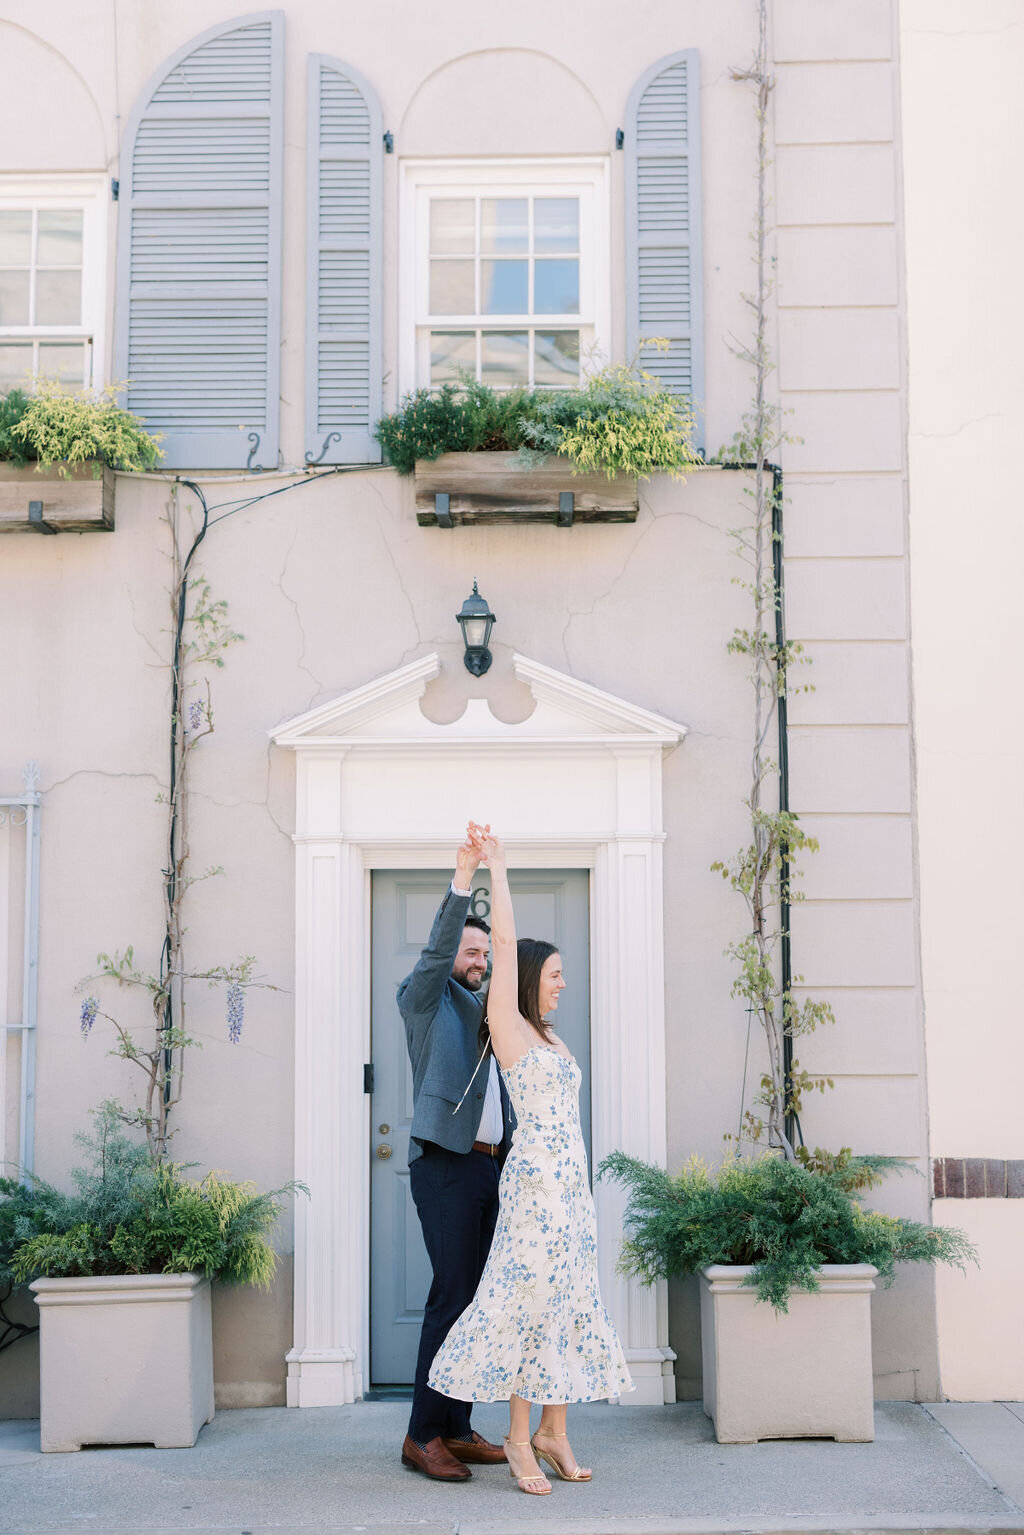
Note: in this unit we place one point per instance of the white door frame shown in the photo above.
(378, 785)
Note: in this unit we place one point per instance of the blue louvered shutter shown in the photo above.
(199, 249)
(343, 266)
(664, 288)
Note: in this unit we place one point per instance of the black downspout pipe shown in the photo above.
(794, 1133)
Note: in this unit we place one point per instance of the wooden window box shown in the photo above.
(31, 502)
(493, 487)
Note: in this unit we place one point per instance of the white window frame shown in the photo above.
(90, 195)
(585, 176)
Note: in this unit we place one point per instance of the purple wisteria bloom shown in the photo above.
(87, 1017)
(195, 714)
(236, 1012)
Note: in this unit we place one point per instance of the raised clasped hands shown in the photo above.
(489, 848)
(467, 861)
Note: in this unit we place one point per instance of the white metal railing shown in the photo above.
(19, 813)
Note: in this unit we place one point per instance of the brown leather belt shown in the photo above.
(488, 1146)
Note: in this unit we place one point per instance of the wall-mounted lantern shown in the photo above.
(476, 621)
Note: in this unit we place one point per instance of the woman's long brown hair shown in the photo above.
(531, 954)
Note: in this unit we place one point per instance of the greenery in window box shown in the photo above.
(12, 449)
(784, 1218)
(619, 422)
(61, 428)
(132, 1214)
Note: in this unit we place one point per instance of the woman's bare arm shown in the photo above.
(511, 1034)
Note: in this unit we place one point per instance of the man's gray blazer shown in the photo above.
(442, 1022)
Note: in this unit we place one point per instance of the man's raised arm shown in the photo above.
(421, 992)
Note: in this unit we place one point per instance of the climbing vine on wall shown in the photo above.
(762, 872)
(201, 635)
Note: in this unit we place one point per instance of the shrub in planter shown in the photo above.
(132, 1215)
(12, 449)
(783, 1219)
(59, 428)
(121, 1271)
(619, 422)
(794, 1235)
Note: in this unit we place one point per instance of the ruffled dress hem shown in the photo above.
(513, 1354)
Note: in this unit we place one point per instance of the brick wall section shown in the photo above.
(977, 1178)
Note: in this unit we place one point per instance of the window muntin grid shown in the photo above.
(504, 288)
(41, 296)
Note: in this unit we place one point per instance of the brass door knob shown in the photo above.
(383, 1152)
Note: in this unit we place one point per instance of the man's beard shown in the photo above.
(471, 982)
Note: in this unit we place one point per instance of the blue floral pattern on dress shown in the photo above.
(537, 1326)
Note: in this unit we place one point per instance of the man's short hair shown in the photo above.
(478, 922)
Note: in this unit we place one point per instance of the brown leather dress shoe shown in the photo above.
(480, 1453)
(434, 1460)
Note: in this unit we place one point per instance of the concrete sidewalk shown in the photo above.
(950, 1467)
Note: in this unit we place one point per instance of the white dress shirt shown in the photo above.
(491, 1128)
(492, 1125)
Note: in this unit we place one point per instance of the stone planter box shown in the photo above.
(126, 1359)
(467, 489)
(804, 1374)
(31, 502)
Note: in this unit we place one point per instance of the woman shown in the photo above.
(536, 1330)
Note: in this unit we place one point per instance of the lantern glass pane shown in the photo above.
(475, 630)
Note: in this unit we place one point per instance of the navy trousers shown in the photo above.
(456, 1198)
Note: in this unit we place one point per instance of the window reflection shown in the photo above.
(15, 364)
(504, 287)
(452, 226)
(556, 358)
(64, 361)
(59, 239)
(450, 352)
(15, 237)
(58, 298)
(505, 225)
(14, 298)
(556, 287)
(505, 357)
(556, 224)
(452, 289)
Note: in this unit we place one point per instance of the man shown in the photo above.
(459, 1137)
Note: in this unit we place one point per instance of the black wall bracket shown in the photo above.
(36, 519)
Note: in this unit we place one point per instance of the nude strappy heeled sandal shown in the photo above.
(579, 1475)
(538, 1476)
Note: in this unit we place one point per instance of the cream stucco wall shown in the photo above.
(963, 138)
(333, 584)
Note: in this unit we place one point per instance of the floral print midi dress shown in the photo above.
(537, 1326)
